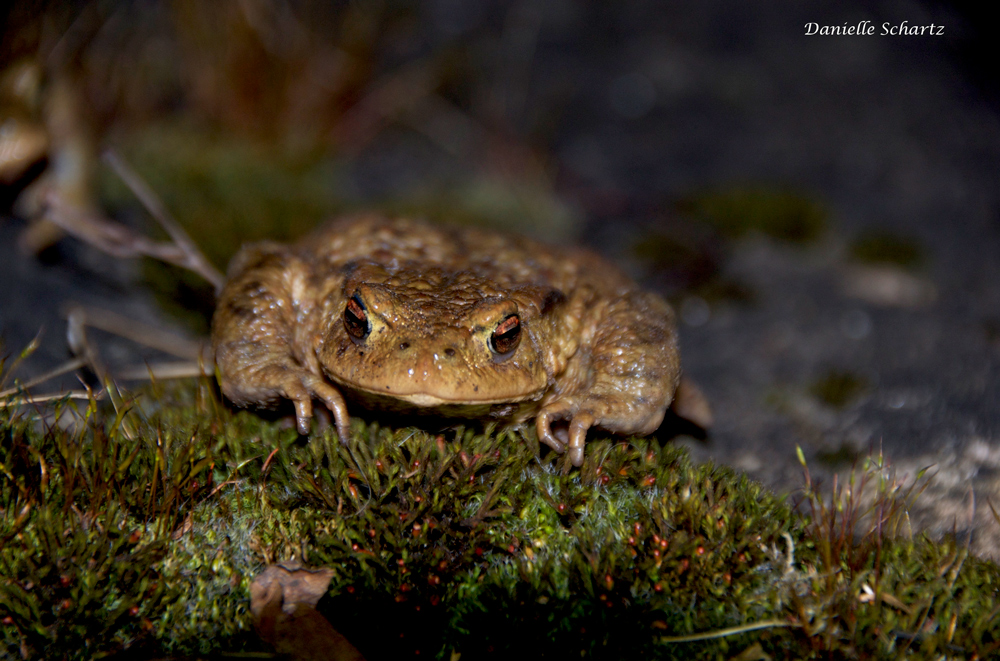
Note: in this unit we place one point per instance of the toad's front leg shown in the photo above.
(261, 336)
(626, 369)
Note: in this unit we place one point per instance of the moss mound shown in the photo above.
(136, 531)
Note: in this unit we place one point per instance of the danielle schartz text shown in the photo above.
(867, 29)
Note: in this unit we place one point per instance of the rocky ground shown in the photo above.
(812, 342)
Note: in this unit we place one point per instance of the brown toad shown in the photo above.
(403, 315)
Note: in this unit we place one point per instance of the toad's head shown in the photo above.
(433, 338)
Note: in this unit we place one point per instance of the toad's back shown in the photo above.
(459, 321)
(409, 247)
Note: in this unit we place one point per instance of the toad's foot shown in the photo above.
(617, 416)
(315, 386)
(274, 382)
(580, 422)
(262, 348)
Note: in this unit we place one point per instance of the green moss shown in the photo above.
(844, 455)
(523, 207)
(694, 265)
(140, 530)
(838, 388)
(691, 265)
(782, 215)
(686, 253)
(880, 247)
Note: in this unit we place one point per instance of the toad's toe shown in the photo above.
(543, 425)
(578, 436)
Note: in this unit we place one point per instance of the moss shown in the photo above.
(779, 214)
(507, 204)
(691, 265)
(139, 529)
(843, 455)
(881, 247)
(839, 388)
(687, 254)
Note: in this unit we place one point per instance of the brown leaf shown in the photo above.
(283, 600)
(692, 405)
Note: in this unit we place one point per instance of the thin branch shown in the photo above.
(731, 631)
(42, 399)
(76, 338)
(195, 260)
(68, 366)
(107, 235)
(138, 332)
(180, 370)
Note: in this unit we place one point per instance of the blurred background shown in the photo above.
(823, 211)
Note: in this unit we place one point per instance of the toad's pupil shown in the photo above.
(507, 335)
(355, 319)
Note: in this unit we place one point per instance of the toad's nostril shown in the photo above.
(449, 352)
(403, 346)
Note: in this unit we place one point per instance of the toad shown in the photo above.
(401, 315)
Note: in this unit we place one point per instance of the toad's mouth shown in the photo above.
(437, 397)
(449, 375)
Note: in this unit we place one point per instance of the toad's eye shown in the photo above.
(507, 335)
(356, 319)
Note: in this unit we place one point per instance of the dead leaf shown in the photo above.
(283, 601)
(692, 405)
(753, 653)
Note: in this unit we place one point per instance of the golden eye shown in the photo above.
(507, 335)
(356, 319)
